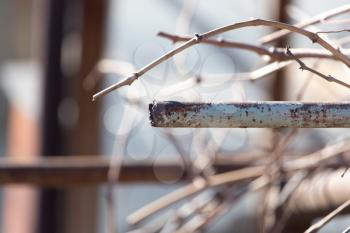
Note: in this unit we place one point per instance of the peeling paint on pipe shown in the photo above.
(267, 114)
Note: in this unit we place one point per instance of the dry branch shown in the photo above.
(333, 31)
(310, 21)
(306, 162)
(198, 38)
(275, 54)
(194, 188)
(317, 226)
(303, 66)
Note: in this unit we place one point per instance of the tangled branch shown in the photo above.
(199, 38)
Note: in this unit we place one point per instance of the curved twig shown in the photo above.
(198, 38)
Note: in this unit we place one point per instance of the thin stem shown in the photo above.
(328, 78)
(193, 188)
(347, 230)
(310, 21)
(317, 226)
(198, 38)
(220, 43)
(199, 185)
(334, 31)
(277, 54)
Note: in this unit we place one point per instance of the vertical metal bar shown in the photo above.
(84, 136)
(279, 82)
(51, 143)
(68, 18)
(51, 134)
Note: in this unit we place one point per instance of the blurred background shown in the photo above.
(48, 52)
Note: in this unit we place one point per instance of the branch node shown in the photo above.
(198, 37)
(135, 75)
(329, 78)
(314, 39)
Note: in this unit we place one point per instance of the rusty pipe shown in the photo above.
(264, 114)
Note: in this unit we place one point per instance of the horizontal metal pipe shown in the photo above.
(267, 114)
(66, 171)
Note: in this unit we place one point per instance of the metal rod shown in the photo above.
(267, 114)
(66, 171)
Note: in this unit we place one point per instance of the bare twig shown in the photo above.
(347, 230)
(328, 78)
(345, 170)
(321, 156)
(198, 38)
(274, 172)
(313, 20)
(277, 54)
(284, 198)
(220, 43)
(317, 226)
(193, 188)
(334, 31)
(199, 221)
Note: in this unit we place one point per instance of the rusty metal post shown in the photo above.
(268, 114)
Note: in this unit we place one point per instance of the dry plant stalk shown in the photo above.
(303, 163)
(303, 66)
(275, 54)
(317, 226)
(278, 59)
(308, 22)
(314, 37)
